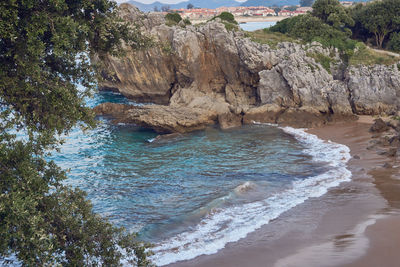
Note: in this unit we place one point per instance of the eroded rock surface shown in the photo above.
(204, 75)
(386, 137)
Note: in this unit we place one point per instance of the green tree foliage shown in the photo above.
(286, 25)
(189, 6)
(327, 24)
(45, 51)
(173, 18)
(380, 18)
(187, 21)
(310, 28)
(394, 43)
(306, 2)
(332, 13)
(228, 20)
(228, 17)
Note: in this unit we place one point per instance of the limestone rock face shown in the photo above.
(386, 137)
(303, 117)
(203, 75)
(374, 90)
(379, 126)
(162, 119)
(229, 120)
(267, 113)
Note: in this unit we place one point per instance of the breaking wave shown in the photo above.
(222, 225)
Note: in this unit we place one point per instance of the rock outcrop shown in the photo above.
(197, 76)
(374, 90)
(163, 119)
(386, 137)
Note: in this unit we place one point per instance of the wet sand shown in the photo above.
(354, 224)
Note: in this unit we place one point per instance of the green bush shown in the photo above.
(310, 28)
(286, 25)
(394, 43)
(325, 61)
(270, 38)
(226, 16)
(228, 20)
(173, 18)
(230, 26)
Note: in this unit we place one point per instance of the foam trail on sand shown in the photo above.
(224, 225)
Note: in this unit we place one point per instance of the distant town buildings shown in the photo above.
(347, 3)
(240, 11)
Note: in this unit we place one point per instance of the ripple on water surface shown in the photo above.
(194, 194)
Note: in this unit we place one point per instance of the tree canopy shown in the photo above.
(45, 52)
(332, 13)
(379, 18)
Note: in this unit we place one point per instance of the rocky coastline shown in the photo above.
(204, 75)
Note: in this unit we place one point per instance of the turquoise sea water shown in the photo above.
(193, 194)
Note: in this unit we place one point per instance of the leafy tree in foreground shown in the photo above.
(45, 51)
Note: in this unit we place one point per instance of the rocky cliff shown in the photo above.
(203, 75)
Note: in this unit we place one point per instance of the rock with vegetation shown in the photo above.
(262, 76)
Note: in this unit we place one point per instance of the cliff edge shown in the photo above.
(198, 76)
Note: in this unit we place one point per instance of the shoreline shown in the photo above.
(338, 229)
(246, 19)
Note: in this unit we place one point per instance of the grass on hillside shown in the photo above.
(367, 56)
(364, 56)
(325, 61)
(270, 38)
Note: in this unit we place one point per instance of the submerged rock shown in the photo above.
(165, 138)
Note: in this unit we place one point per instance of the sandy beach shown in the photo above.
(245, 19)
(354, 224)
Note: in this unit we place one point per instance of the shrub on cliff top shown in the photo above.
(285, 26)
(228, 20)
(173, 17)
(310, 28)
(226, 16)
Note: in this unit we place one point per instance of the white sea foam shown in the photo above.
(151, 140)
(222, 226)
